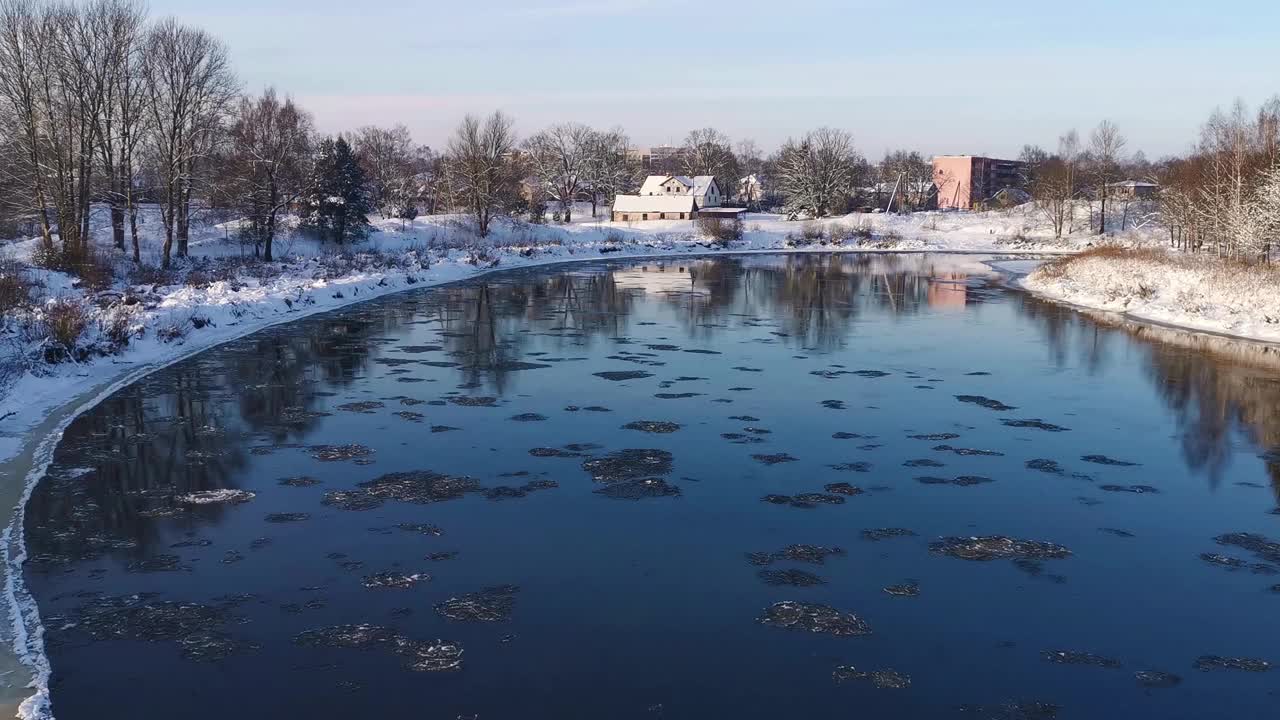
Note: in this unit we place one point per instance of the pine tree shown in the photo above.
(337, 203)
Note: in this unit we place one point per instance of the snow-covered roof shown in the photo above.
(653, 184)
(701, 184)
(1134, 184)
(653, 203)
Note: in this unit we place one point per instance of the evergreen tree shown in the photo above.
(337, 203)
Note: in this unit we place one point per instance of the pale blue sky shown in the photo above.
(940, 76)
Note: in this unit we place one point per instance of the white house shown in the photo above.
(669, 197)
(653, 207)
(704, 189)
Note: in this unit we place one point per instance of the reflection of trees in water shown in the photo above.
(486, 326)
(1217, 387)
(190, 428)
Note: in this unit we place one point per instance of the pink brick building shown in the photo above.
(966, 181)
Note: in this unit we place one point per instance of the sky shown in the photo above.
(938, 76)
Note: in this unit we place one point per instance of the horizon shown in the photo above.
(1158, 72)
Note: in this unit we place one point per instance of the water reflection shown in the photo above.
(847, 367)
(191, 428)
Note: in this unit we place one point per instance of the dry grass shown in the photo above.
(79, 261)
(1058, 268)
(65, 321)
(15, 288)
(721, 231)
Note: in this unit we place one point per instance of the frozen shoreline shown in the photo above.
(1168, 290)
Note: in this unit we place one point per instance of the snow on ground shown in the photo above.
(1155, 285)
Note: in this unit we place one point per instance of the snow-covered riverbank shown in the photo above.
(1169, 288)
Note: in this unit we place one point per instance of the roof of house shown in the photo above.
(653, 203)
(702, 183)
(653, 184)
(1134, 183)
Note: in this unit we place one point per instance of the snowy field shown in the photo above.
(1160, 286)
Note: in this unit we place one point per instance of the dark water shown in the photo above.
(440, 569)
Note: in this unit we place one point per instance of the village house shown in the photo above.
(1133, 190)
(670, 197)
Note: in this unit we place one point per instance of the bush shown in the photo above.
(812, 231)
(65, 321)
(720, 230)
(15, 288)
(79, 261)
(151, 275)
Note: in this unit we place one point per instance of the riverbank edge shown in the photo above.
(34, 456)
(1022, 281)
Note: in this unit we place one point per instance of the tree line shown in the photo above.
(100, 105)
(1222, 196)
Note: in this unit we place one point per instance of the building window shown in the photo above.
(644, 216)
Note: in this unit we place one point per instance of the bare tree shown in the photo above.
(609, 169)
(560, 158)
(480, 166)
(1106, 146)
(269, 162)
(909, 176)
(52, 63)
(387, 155)
(816, 174)
(25, 50)
(1051, 190)
(119, 25)
(1069, 153)
(189, 87)
(709, 152)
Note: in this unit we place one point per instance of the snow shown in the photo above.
(1197, 292)
(215, 497)
(653, 203)
(172, 322)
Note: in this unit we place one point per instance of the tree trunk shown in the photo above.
(1102, 216)
(184, 217)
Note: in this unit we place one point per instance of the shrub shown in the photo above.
(15, 288)
(151, 275)
(76, 260)
(65, 321)
(117, 326)
(720, 230)
(812, 231)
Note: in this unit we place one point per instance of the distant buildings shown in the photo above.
(967, 181)
(1133, 190)
(658, 157)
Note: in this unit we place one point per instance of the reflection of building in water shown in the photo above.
(662, 277)
(948, 291)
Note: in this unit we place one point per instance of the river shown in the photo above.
(751, 487)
